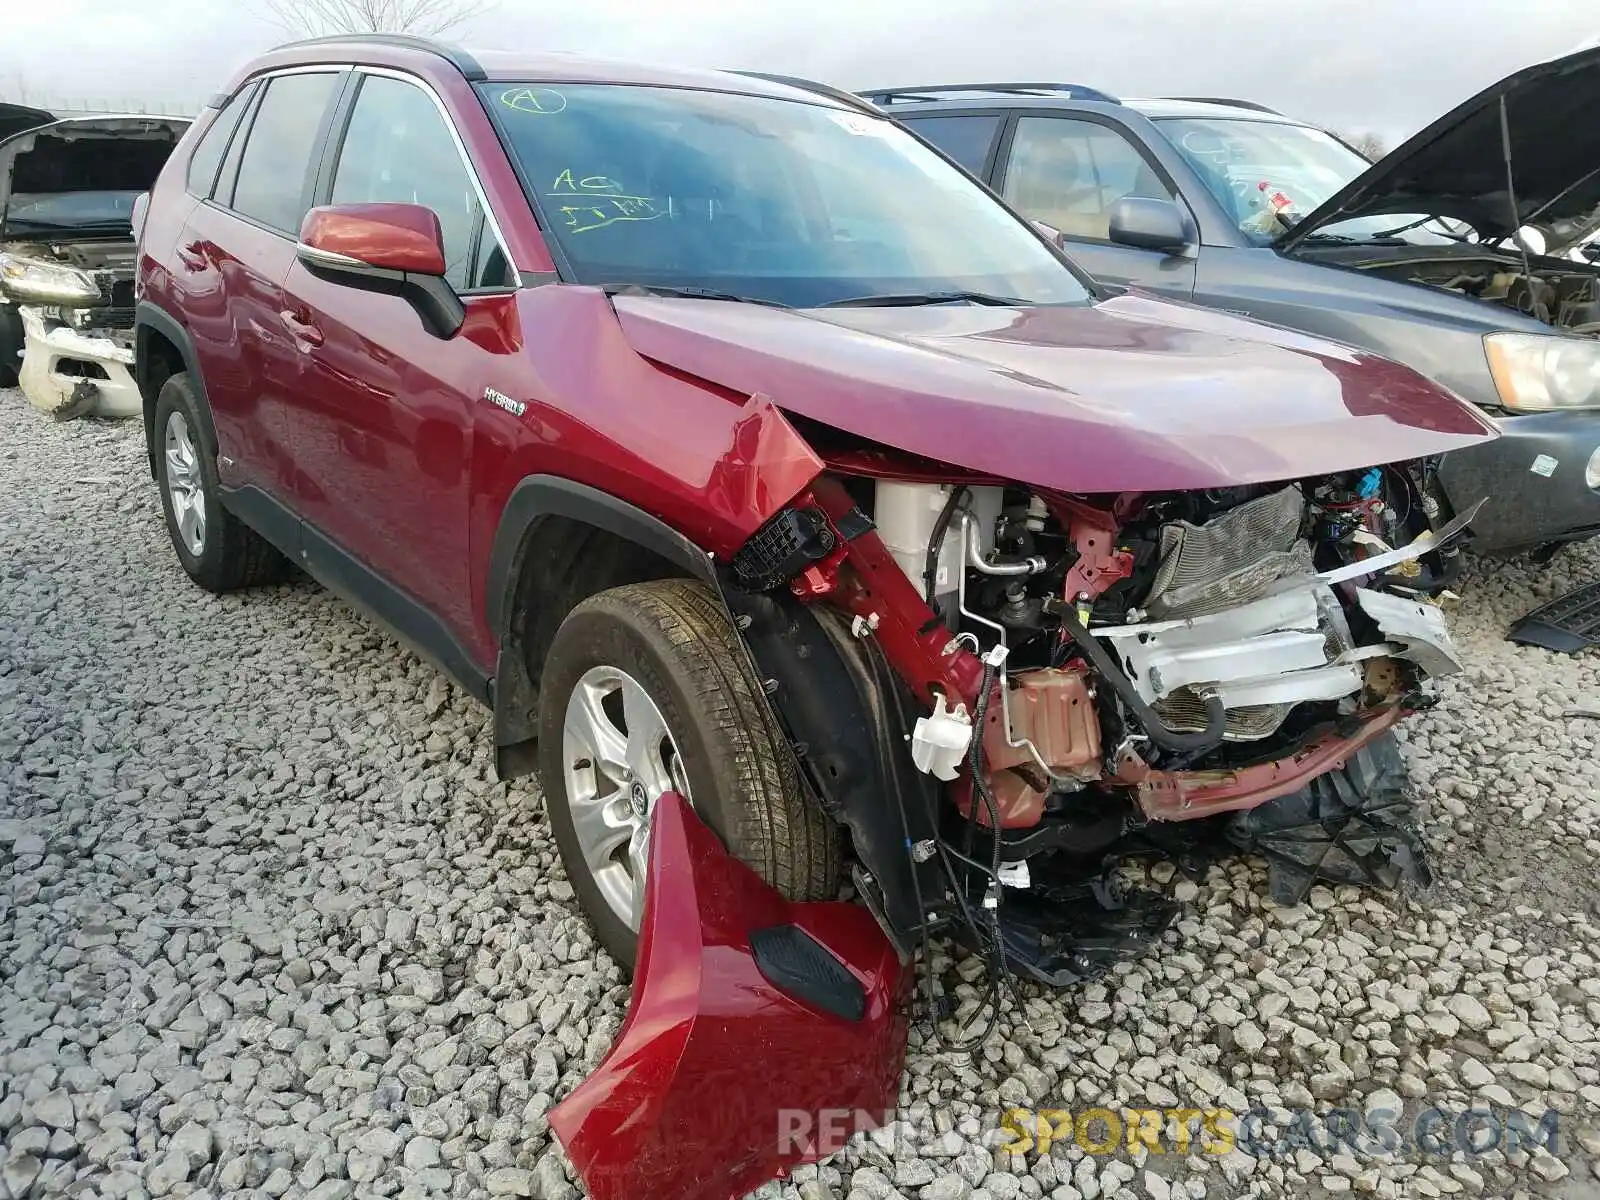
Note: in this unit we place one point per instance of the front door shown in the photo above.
(1067, 172)
(385, 410)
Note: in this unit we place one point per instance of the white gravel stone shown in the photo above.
(1470, 1012)
(271, 927)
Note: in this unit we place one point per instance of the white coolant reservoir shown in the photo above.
(906, 515)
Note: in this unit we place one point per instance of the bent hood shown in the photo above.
(86, 154)
(1133, 394)
(1456, 167)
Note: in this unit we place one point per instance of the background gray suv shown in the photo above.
(1232, 205)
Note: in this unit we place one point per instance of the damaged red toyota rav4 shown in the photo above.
(761, 468)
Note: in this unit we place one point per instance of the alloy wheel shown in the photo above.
(618, 758)
(185, 485)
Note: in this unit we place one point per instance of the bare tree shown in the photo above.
(1370, 145)
(318, 18)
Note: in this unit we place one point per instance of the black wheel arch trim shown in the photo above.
(539, 497)
(845, 713)
(535, 499)
(150, 316)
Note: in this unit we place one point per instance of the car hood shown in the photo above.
(1131, 394)
(86, 154)
(1456, 166)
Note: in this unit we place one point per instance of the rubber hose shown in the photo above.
(1149, 719)
(930, 571)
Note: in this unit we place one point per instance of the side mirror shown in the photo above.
(1147, 223)
(395, 249)
(1051, 234)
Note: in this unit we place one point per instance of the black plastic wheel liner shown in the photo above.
(1568, 624)
(1356, 825)
(1068, 933)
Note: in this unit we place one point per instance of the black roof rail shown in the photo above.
(1064, 91)
(811, 85)
(1250, 104)
(454, 55)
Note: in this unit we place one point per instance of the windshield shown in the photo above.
(1268, 175)
(70, 210)
(760, 198)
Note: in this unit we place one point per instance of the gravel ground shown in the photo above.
(269, 927)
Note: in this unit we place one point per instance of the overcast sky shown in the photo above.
(1382, 66)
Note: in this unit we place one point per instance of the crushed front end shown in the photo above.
(1063, 681)
(68, 190)
(74, 308)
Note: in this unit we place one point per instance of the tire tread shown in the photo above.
(783, 833)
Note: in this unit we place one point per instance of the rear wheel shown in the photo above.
(220, 552)
(646, 690)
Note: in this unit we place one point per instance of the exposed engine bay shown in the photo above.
(1198, 630)
(1093, 677)
(1560, 292)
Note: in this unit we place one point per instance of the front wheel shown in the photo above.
(646, 689)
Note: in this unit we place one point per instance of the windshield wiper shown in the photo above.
(912, 299)
(688, 293)
(13, 222)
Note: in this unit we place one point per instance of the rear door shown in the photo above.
(232, 256)
(1067, 171)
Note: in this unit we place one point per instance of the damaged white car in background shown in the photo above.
(67, 191)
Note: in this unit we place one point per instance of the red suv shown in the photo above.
(731, 441)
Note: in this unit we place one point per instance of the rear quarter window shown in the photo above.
(207, 156)
(965, 139)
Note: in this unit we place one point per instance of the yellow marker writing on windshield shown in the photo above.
(539, 101)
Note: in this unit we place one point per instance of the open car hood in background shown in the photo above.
(1455, 167)
(14, 118)
(87, 154)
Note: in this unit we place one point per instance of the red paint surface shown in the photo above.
(1189, 795)
(863, 579)
(713, 1062)
(1135, 394)
(396, 237)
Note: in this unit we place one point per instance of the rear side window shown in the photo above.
(398, 150)
(271, 187)
(1068, 173)
(207, 155)
(965, 139)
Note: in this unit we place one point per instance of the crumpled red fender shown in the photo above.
(760, 1035)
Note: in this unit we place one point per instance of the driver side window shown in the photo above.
(398, 150)
(1068, 173)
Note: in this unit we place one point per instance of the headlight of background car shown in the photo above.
(1537, 372)
(35, 281)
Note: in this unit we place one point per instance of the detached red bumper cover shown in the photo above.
(760, 1036)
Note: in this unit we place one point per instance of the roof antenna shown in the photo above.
(1516, 213)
